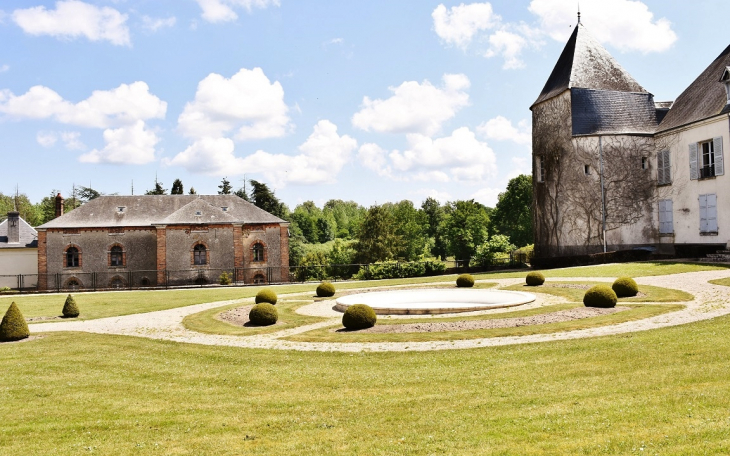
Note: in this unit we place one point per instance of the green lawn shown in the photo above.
(641, 269)
(656, 392)
(650, 293)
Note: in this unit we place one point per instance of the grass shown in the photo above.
(724, 282)
(654, 392)
(209, 323)
(636, 312)
(651, 293)
(640, 269)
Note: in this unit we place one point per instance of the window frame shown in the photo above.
(116, 256)
(258, 252)
(72, 257)
(200, 255)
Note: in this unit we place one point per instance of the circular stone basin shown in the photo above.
(434, 301)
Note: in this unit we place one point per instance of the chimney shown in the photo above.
(13, 227)
(59, 205)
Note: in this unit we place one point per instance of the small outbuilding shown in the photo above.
(18, 253)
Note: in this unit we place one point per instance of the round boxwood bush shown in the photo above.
(600, 296)
(625, 287)
(359, 316)
(263, 314)
(266, 295)
(325, 290)
(70, 309)
(534, 279)
(465, 281)
(13, 326)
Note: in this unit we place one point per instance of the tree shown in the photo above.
(177, 188)
(498, 246)
(376, 239)
(347, 216)
(28, 211)
(306, 216)
(158, 190)
(262, 197)
(410, 229)
(435, 214)
(225, 187)
(513, 214)
(192, 191)
(86, 194)
(241, 193)
(465, 228)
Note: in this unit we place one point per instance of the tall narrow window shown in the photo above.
(200, 255)
(116, 257)
(72, 257)
(258, 252)
(540, 171)
(663, 168)
(707, 162)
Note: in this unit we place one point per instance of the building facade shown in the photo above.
(18, 253)
(614, 170)
(156, 240)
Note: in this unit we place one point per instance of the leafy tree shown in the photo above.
(410, 229)
(241, 193)
(177, 188)
(86, 194)
(497, 246)
(225, 187)
(376, 239)
(192, 191)
(265, 199)
(513, 214)
(435, 214)
(465, 228)
(347, 216)
(306, 216)
(158, 190)
(22, 204)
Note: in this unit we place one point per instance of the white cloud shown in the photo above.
(414, 107)
(628, 25)
(72, 19)
(154, 25)
(123, 105)
(223, 10)
(501, 129)
(509, 45)
(127, 145)
(247, 103)
(4, 68)
(460, 24)
(374, 158)
(70, 139)
(320, 160)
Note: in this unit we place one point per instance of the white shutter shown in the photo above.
(667, 167)
(666, 222)
(693, 161)
(712, 213)
(669, 215)
(719, 160)
(703, 213)
(660, 172)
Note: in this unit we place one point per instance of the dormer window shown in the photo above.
(121, 209)
(225, 208)
(726, 79)
(198, 213)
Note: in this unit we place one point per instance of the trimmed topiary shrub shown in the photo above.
(225, 278)
(359, 316)
(263, 314)
(13, 326)
(325, 290)
(534, 279)
(465, 281)
(600, 296)
(625, 287)
(266, 295)
(70, 309)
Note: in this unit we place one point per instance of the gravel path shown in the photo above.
(710, 301)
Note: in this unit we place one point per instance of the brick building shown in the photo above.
(156, 240)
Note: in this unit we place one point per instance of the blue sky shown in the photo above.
(371, 101)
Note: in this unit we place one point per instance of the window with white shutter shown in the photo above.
(719, 160)
(693, 173)
(666, 222)
(664, 168)
(708, 213)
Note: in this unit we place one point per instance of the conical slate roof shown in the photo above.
(585, 64)
(704, 98)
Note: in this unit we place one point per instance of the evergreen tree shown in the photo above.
(241, 193)
(265, 199)
(13, 326)
(192, 191)
(376, 240)
(225, 187)
(177, 188)
(158, 190)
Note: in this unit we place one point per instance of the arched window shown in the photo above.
(72, 284)
(258, 252)
(72, 257)
(145, 282)
(116, 256)
(116, 282)
(259, 279)
(200, 255)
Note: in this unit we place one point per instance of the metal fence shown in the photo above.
(162, 279)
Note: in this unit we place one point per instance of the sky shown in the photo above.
(364, 100)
